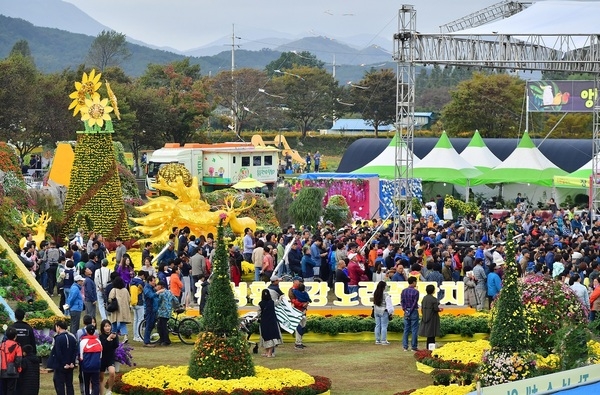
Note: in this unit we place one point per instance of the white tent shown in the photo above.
(525, 165)
(384, 163)
(444, 164)
(479, 155)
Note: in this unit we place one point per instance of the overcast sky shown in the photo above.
(187, 24)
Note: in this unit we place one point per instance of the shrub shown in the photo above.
(571, 345)
(281, 205)
(307, 207)
(9, 161)
(550, 304)
(337, 211)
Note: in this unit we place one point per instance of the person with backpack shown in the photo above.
(136, 289)
(101, 280)
(74, 303)
(11, 356)
(62, 359)
(29, 379)
(90, 357)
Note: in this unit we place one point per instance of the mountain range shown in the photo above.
(60, 34)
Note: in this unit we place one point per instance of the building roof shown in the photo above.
(358, 124)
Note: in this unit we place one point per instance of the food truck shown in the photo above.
(217, 166)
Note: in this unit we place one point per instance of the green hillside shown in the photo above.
(54, 50)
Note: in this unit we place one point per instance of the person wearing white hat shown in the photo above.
(494, 283)
(75, 303)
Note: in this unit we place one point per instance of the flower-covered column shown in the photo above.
(221, 352)
(94, 198)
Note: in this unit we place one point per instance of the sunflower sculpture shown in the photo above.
(95, 111)
(95, 198)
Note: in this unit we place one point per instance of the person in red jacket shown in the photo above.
(355, 273)
(11, 355)
(90, 356)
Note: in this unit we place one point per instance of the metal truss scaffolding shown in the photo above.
(489, 14)
(573, 53)
(405, 125)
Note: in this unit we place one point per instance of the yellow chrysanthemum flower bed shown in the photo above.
(552, 361)
(176, 378)
(445, 390)
(594, 350)
(464, 352)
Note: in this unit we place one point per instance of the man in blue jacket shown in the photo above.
(150, 308)
(75, 303)
(62, 359)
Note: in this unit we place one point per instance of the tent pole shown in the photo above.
(467, 191)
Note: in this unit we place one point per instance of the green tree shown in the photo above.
(21, 47)
(309, 95)
(109, 48)
(375, 98)
(184, 95)
(290, 60)
(574, 125)
(19, 103)
(239, 93)
(490, 103)
(143, 118)
(307, 207)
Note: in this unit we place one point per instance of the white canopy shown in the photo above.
(547, 18)
(479, 155)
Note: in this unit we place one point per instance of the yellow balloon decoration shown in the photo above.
(187, 209)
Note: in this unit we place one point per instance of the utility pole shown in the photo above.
(233, 84)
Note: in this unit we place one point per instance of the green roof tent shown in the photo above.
(580, 178)
(479, 155)
(383, 164)
(444, 164)
(525, 165)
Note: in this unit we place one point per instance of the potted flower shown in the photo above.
(43, 344)
(123, 356)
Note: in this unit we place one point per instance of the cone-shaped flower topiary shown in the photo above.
(509, 326)
(94, 198)
(509, 359)
(221, 352)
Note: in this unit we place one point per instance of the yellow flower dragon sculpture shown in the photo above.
(164, 212)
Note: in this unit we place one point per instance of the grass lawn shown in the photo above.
(354, 368)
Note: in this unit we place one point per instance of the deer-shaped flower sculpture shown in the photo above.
(239, 224)
(38, 226)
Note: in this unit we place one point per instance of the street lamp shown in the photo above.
(268, 94)
(356, 86)
(343, 103)
(292, 74)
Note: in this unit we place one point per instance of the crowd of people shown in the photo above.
(557, 243)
